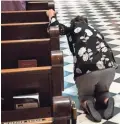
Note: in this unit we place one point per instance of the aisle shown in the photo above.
(105, 16)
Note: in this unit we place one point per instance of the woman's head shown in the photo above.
(78, 19)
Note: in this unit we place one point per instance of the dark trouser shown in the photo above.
(95, 85)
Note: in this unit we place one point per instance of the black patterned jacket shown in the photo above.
(88, 47)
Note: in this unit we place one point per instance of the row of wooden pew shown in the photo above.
(32, 62)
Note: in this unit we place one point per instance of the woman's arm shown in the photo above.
(64, 30)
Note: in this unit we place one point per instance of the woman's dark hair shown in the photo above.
(78, 19)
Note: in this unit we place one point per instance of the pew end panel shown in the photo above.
(57, 72)
(62, 103)
(54, 35)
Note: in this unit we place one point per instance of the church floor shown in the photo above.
(105, 16)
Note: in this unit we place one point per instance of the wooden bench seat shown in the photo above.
(24, 16)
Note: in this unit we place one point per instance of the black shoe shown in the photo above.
(108, 112)
(90, 109)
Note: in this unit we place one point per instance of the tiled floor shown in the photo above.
(105, 16)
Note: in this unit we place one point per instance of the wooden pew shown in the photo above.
(33, 49)
(15, 52)
(21, 31)
(23, 81)
(24, 16)
(39, 5)
(35, 79)
(39, 50)
(43, 80)
(62, 111)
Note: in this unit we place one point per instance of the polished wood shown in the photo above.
(54, 35)
(17, 70)
(19, 24)
(60, 112)
(33, 121)
(39, 5)
(24, 41)
(24, 16)
(61, 103)
(31, 31)
(19, 31)
(18, 115)
(57, 107)
(58, 81)
(46, 81)
(26, 38)
(38, 49)
(23, 81)
(14, 50)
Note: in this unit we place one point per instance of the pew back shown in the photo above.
(12, 52)
(24, 16)
(27, 80)
(19, 31)
(39, 5)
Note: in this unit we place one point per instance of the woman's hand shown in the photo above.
(50, 13)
